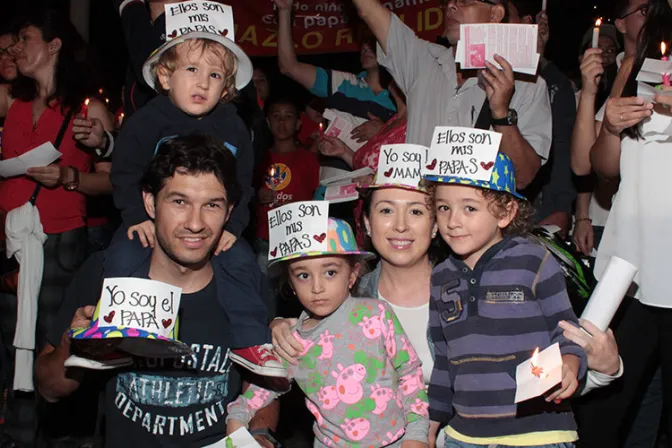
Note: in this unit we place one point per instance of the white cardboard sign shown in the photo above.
(297, 228)
(204, 16)
(401, 164)
(139, 303)
(240, 438)
(539, 374)
(462, 152)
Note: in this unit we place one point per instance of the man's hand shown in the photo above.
(584, 236)
(283, 4)
(89, 132)
(591, 71)
(266, 196)
(499, 86)
(51, 176)
(601, 347)
(570, 381)
(622, 113)
(544, 32)
(225, 242)
(560, 219)
(145, 231)
(83, 317)
(365, 131)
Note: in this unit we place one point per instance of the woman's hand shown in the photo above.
(284, 342)
(51, 176)
(601, 347)
(622, 113)
(332, 147)
(591, 71)
(89, 132)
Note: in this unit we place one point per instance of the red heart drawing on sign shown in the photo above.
(432, 165)
(173, 34)
(487, 166)
(388, 173)
(166, 322)
(224, 32)
(320, 238)
(109, 317)
(274, 251)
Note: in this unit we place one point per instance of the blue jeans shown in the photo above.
(452, 443)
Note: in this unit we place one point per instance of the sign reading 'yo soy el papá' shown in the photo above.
(462, 152)
(203, 16)
(139, 303)
(401, 164)
(298, 227)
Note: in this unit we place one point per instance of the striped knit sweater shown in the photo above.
(486, 321)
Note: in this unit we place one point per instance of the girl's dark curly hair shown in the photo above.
(499, 202)
(73, 81)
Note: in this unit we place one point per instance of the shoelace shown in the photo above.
(265, 351)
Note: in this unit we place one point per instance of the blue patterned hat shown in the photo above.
(503, 178)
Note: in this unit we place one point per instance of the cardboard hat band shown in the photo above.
(243, 74)
(135, 341)
(374, 185)
(340, 241)
(503, 178)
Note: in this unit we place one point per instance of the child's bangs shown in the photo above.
(214, 54)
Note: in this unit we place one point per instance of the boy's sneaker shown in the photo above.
(261, 360)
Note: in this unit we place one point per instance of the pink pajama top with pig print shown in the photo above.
(361, 377)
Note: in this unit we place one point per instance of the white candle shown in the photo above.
(609, 292)
(596, 32)
(543, 5)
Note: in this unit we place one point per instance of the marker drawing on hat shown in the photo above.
(401, 166)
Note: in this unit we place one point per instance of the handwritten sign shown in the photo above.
(539, 374)
(139, 303)
(298, 227)
(203, 16)
(462, 152)
(401, 164)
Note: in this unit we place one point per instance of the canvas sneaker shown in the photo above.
(261, 360)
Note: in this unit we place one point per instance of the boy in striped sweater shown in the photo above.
(493, 301)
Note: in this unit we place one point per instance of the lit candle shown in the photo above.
(107, 101)
(85, 109)
(321, 129)
(121, 119)
(596, 32)
(100, 91)
(271, 174)
(543, 5)
(666, 76)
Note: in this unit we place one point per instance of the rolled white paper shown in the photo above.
(596, 36)
(543, 5)
(609, 292)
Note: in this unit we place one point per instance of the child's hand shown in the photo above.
(265, 196)
(225, 242)
(284, 342)
(433, 432)
(145, 231)
(570, 382)
(233, 425)
(413, 444)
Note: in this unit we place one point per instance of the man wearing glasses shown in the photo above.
(7, 65)
(440, 94)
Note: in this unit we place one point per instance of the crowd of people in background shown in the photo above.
(180, 191)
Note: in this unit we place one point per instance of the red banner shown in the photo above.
(324, 26)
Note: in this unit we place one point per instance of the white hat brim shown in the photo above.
(243, 75)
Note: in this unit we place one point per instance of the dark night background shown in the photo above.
(569, 20)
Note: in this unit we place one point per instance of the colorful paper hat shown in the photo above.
(304, 229)
(400, 166)
(200, 20)
(141, 313)
(502, 178)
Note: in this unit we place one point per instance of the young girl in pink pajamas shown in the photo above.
(362, 379)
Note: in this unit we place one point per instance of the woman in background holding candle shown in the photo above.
(35, 106)
(634, 145)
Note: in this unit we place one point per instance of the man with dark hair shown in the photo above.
(439, 93)
(189, 192)
(551, 191)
